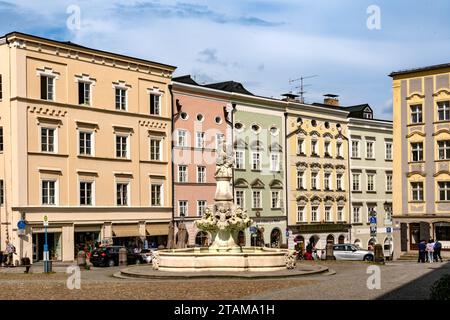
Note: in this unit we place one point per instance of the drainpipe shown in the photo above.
(349, 185)
(171, 151)
(286, 178)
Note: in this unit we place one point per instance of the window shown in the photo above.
(369, 150)
(417, 151)
(416, 113)
(156, 195)
(370, 182)
(86, 193)
(300, 183)
(367, 115)
(417, 191)
(389, 182)
(239, 161)
(444, 191)
(1, 139)
(155, 149)
(1, 88)
(121, 146)
(47, 87)
(327, 213)
(240, 198)
(276, 203)
(388, 150)
(300, 213)
(85, 143)
(182, 141)
(339, 150)
(314, 180)
(327, 148)
(121, 99)
(300, 146)
(201, 174)
(48, 192)
(256, 199)
(340, 213)
(326, 181)
(155, 104)
(443, 111)
(356, 182)
(339, 182)
(314, 147)
(256, 161)
(182, 173)
(2, 193)
(182, 208)
(444, 149)
(201, 205)
(356, 214)
(122, 194)
(48, 139)
(220, 138)
(200, 139)
(84, 93)
(314, 213)
(274, 162)
(355, 149)
(200, 117)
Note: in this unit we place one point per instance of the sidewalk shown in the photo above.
(38, 267)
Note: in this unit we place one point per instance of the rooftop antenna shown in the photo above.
(302, 86)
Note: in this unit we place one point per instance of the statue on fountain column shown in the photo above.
(224, 174)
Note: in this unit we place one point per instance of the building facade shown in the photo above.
(317, 171)
(421, 206)
(86, 142)
(370, 151)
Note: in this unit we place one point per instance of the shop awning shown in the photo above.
(125, 230)
(157, 229)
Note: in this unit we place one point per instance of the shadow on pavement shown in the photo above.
(419, 289)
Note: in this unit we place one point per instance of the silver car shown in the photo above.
(351, 252)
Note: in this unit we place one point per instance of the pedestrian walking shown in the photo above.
(437, 251)
(430, 250)
(422, 251)
(10, 250)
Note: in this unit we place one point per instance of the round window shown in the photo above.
(274, 131)
(218, 120)
(238, 126)
(313, 123)
(256, 128)
(200, 117)
(184, 116)
(327, 125)
(299, 120)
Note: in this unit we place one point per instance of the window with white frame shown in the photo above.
(443, 110)
(86, 193)
(48, 192)
(155, 104)
(86, 143)
(369, 150)
(339, 150)
(121, 99)
(84, 93)
(300, 180)
(240, 198)
(201, 205)
(48, 139)
(389, 182)
(417, 191)
(314, 185)
(256, 203)
(327, 181)
(356, 179)
(201, 174)
(199, 139)
(182, 173)
(327, 150)
(156, 195)
(388, 150)
(444, 191)
(339, 185)
(370, 182)
(356, 214)
(340, 213)
(275, 162)
(155, 149)
(300, 145)
(122, 194)
(182, 138)
(121, 146)
(182, 208)
(239, 159)
(314, 213)
(444, 149)
(327, 213)
(47, 87)
(256, 161)
(276, 201)
(417, 151)
(416, 113)
(355, 149)
(300, 213)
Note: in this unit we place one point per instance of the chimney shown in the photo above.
(331, 99)
(290, 97)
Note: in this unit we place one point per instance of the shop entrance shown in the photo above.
(86, 241)
(54, 246)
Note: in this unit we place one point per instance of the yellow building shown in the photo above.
(85, 141)
(421, 201)
(317, 173)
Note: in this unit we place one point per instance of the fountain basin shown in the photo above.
(253, 259)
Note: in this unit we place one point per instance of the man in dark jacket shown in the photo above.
(422, 251)
(437, 250)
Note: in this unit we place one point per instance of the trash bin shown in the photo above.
(122, 257)
(81, 258)
(27, 264)
(329, 250)
(378, 253)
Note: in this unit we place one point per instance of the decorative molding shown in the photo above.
(442, 90)
(441, 172)
(414, 133)
(420, 173)
(415, 94)
(47, 111)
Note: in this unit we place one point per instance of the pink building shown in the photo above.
(200, 124)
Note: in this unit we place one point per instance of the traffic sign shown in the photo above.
(21, 225)
(388, 230)
(252, 229)
(373, 220)
(45, 221)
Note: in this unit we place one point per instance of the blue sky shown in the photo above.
(260, 43)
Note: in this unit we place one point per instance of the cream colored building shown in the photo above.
(86, 138)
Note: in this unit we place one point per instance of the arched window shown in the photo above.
(330, 239)
(341, 239)
(275, 238)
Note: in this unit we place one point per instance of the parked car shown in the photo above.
(351, 252)
(109, 257)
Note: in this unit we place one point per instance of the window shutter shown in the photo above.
(43, 87)
(152, 104)
(403, 237)
(80, 93)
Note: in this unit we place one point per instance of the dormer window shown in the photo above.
(368, 113)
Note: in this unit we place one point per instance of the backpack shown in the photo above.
(437, 245)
